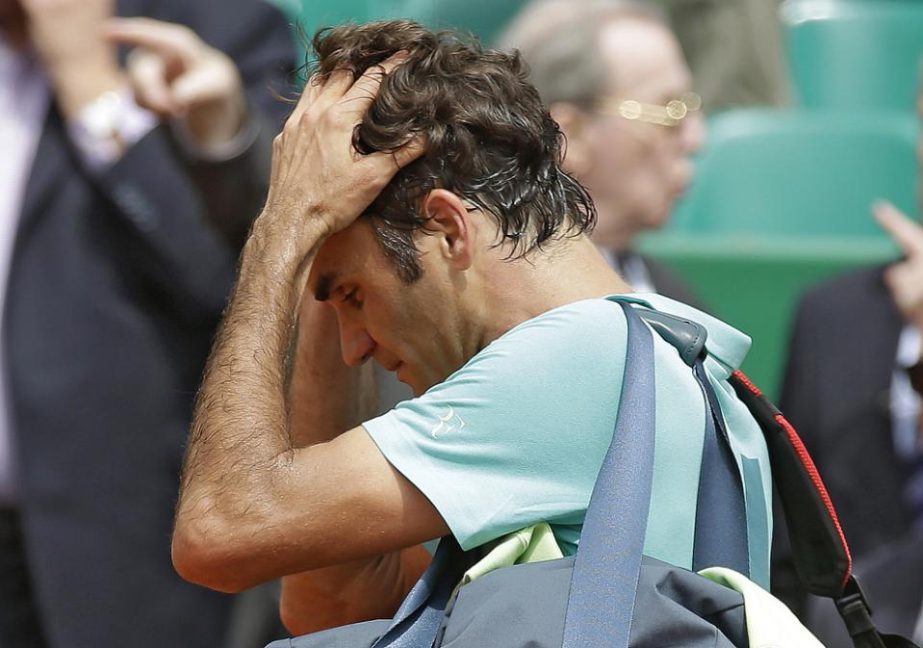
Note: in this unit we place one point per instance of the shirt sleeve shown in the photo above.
(518, 434)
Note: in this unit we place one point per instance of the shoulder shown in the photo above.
(523, 425)
(567, 338)
(567, 325)
(556, 364)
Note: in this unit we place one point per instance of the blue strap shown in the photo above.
(721, 514)
(608, 561)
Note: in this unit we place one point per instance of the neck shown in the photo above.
(564, 272)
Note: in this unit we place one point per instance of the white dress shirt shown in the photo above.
(905, 402)
(631, 268)
(905, 420)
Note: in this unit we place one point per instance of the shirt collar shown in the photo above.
(727, 346)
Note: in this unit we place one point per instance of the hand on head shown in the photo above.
(174, 73)
(905, 278)
(316, 171)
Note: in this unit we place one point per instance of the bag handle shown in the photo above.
(608, 561)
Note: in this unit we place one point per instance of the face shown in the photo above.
(413, 329)
(636, 170)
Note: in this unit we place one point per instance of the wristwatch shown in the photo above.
(105, 128)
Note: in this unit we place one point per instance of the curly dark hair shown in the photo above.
(488, 137)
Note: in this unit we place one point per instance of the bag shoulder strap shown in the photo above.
(608, 560)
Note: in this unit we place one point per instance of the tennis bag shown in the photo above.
(611, 596)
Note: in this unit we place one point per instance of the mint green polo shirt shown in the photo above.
(518, 434)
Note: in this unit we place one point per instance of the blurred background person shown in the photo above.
(614, 78)
(852, 388)
(735, 50)
(126, 189)
(891, 582)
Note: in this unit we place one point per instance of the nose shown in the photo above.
(693, 133)
(357, 345)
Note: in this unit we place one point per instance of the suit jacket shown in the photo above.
(892, 584)
(836, 394)
(116, 284)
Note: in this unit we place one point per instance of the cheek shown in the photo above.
(614, 168)
(659, 163)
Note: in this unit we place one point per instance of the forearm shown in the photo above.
(252, 505)
(325, 398)
(350, 593)
(239, 444)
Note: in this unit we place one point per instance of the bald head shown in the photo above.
(561, 41)
(586, 56)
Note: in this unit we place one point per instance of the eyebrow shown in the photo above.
(324, 283)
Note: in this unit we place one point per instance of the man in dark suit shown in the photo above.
(852, 389)
(891, 581)
(128, 190)
(837, 395)
(615, 80)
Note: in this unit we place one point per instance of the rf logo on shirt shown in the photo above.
(448, 422)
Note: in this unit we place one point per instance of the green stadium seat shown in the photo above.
(780, 201)
(483, 18)
(754, 284)
(854, 54)
(799, 173)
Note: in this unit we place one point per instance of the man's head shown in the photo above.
(488, 138)
(604, 68)
(411, 279)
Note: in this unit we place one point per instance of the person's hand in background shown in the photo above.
(175, 74)
(904, 278)
(69, 38)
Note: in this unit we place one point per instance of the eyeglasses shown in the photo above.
(670, 115)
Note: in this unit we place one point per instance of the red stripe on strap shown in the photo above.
(739, 375)
(811, 469)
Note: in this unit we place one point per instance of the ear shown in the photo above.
(448, 220)
(574, 123)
